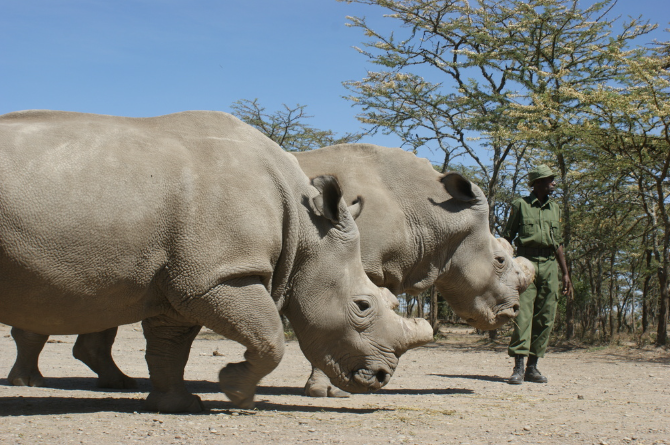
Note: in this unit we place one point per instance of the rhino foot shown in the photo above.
(337, 392)
(95, 350)
(19, 377)
(26, 380)
(173, 402)
(237, 385)
(319, 385)
(120, 381)
(324, 390)
(25, 371)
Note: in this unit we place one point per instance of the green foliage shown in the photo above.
(444, 311)
(484, 80)
(286, 127)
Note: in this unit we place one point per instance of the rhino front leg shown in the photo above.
(243, 310)
(318, 385)
(95, 350)
(25, 371)
(168, 346)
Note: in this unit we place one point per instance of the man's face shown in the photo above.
(544, 186)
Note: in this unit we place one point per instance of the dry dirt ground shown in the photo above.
(452, 391)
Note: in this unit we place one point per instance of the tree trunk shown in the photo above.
(611, 296)
(569, 316)
(645, 299)
(410, 305)
(432, 316)
(632, 315)
(645, 313)
(595, 304)
(662, 329)
(567, 234)
(662, 254)
(600, 316)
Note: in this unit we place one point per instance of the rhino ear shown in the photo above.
(356, 207)
(458, 187)
(327, 203)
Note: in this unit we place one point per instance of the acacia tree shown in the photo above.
(287, 127)
(457, 78)
(608, 232)
(629, 128)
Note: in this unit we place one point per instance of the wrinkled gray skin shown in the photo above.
(419, 228)
(181, 221)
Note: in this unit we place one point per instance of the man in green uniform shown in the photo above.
(535, 223)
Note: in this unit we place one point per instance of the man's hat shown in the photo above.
(539, 172)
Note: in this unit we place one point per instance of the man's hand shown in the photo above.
(567, 285)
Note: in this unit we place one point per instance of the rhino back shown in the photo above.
(107, 212)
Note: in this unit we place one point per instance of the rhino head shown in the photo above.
(481, 279)
(345, 324)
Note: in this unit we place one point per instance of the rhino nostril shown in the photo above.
(382, 377)
(515, 308)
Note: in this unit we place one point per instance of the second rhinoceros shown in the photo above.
(181, 221)
(421, 228)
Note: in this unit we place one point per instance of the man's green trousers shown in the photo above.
(537, 310)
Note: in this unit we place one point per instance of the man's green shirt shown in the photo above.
(537, 225)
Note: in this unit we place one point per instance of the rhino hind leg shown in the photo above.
(25, 371)
(95, 350)
(319, 385)
(168, 346)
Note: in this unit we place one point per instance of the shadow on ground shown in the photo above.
(17, 405)
(485, 378)
(37, 406)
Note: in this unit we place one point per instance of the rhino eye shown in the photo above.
(500, 260)
(363, 305)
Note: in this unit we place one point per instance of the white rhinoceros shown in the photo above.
(181, 221)
(418, 228)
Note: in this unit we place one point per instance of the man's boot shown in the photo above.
(517, 374)
(532, 373)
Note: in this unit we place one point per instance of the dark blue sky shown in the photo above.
(153, 57)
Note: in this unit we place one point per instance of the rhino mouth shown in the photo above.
(508, 313)
(361, 379)
(497, 317)
(371, 379)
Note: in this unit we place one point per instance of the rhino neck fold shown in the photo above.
(292, 227)
(429, 258)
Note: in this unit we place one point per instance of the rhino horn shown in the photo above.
(391, 299)
(527, 269)
(415, 332)
(528, 272)
(506, 245)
